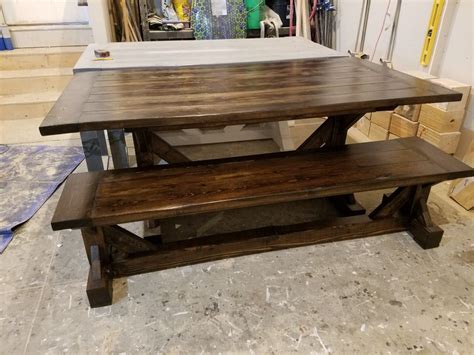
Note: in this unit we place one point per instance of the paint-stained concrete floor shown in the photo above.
(375, 295)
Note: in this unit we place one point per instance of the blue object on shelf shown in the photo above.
(7, 40)
(2, 44)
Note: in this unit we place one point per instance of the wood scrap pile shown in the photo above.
(125, 19)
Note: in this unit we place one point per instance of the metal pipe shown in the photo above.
(364, 4)
(364, 27)
(393, 35)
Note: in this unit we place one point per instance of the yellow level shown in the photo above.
(430, 38)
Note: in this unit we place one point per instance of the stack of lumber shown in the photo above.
(462, 190)
(402, 122)
(440, 123)
(125, 18)
(375, 125)
(379, 124)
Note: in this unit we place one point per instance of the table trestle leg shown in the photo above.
(333, 133)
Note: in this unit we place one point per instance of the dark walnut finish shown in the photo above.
(148, 101)
(122, 196)
(97, 202)
(210, 96)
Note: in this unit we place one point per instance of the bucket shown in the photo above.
(253, 14)
(282, 8)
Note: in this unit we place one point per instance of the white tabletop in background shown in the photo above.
(184, 53)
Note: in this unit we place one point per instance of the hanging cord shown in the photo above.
(291, 17)
(313, 10)
(381, 30)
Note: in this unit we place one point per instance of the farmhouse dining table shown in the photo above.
(151, 100)
(147, 101)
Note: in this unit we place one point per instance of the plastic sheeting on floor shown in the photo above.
(29, 174)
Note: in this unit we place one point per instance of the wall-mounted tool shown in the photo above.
(432, 31)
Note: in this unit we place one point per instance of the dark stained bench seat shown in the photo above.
(121, 196)
(97, 202)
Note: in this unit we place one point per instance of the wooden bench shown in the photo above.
(97, 202)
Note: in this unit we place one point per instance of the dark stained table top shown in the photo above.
(211, 96)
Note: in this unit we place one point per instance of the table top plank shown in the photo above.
(165, 191)
(204, 96)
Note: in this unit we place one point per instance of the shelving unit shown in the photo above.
(187, 33)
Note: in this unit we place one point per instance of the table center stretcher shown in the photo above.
(343, 89)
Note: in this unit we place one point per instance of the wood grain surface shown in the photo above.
(120, 196)
(209, 96)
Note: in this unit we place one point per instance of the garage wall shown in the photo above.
(29, 12)
(457, 61)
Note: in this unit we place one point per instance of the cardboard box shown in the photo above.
(392, 136)
(363, 125)
(412, 112)
(447, 142)
(377, 133)
(382, 118)
(402, 127)
(464, 89)
(440, 120)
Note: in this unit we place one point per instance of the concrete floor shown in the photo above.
(374, 295)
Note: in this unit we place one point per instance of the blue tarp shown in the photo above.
(28, 177)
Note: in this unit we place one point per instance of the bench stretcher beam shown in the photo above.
(116, 252)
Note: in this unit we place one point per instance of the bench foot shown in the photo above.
(427, 234)
(99, 283)
(427, 237)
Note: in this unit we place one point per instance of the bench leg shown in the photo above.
(427, 234)
(99, 283)
(411, 202)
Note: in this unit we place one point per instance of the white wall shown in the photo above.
(457, 61)
(22, 12)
